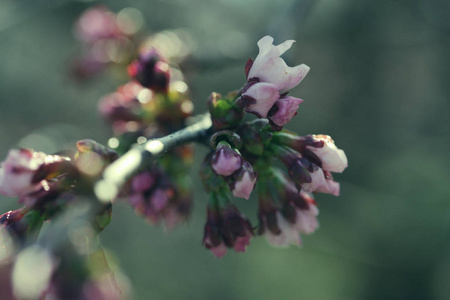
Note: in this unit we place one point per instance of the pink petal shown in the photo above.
(265, 95)
(307, 219)
(219, 251)
(241, 243)
(226, 162)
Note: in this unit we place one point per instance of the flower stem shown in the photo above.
(116, 174)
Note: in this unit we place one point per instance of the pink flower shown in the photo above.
(227, 228)
(259, 98)
(287, 234)
(321, 182)
(96, 23)
(306, 219)
(226, 161)
(271, 68)
(18, 170)
(241, 243)
(332, 158)
(244, 181)
(218, 251)
(284, 109)
(236, 229)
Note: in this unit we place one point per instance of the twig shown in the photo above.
(115, 175)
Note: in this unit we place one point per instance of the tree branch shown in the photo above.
(116, 174)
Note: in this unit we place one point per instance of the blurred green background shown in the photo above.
(378, 85)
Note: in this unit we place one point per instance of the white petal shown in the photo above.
(333, 159)
(244, 187)
(283, 47)
(288, 236)
(317, 180)
(265, 95)
(307, 219)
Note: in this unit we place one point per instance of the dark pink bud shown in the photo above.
(212, 238)
(236, 229)
(151, 70)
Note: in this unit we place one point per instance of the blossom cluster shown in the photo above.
(249, 150)
(246, 154)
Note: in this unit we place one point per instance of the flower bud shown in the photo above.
(299, 172)
(286, 234)
(321, 182)
(226, 227)
(243, 181)
(212, 238)
(224, 111)
(283, 110)
(236, 229)
(256, 135)
(282, 222)
(226, 161)
(306, 220)
(150, 70)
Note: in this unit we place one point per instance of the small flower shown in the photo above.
(236, 229)
(283, 110)
(226, 161)
(243, 181)
(281, 220)
(226, 228)
(307, 219)
(24, 171)
(286, 235)
(271, 68)
(332, 158)
(212, 238)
